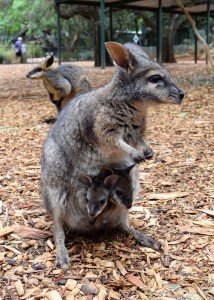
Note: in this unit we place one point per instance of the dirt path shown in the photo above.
(175, 204)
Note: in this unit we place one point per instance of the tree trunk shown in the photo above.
(73, 46)
(91, 13)
(168, 51)
(168, 41)
(199, 37)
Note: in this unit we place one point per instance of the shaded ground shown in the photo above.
(175, 204)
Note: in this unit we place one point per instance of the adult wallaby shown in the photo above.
(62, 83)
(101, 128)
(116, 184)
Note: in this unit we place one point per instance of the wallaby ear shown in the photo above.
(105, 172)
(134, 48)
(126, 170)
(47, 62)
(119, 54)
(85, 180)
(110, 181)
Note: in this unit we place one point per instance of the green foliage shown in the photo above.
(123, 20)
(35, 15)
(4, 4)
(12, 18)
(42, 18)
(39, 19)
(34, 50)
(7, 54)
(87, 55)
(70, 27)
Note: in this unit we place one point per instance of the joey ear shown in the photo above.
(110, 181)
(119, 54)
(85, 180)
(47, 62)
(128, 169)
(105, 172)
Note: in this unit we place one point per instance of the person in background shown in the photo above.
(18, 50)
(24, 50)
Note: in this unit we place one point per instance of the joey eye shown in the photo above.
(87, 200)
(155, 79)
(102, 202)
(119, 193)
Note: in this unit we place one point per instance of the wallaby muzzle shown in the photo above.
(181, 95)
(129, 203)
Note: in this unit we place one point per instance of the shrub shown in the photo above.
(34, 50)
(7, 54)
(87, 55)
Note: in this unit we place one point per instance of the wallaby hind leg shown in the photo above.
(62, 257)
(145, 240)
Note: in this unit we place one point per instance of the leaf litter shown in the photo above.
(175, 204)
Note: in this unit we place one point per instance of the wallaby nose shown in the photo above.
(181, 95)
(129, 204)
(92, 214)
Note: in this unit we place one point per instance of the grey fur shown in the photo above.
(102, 128)
(62, 83)
(116, 184)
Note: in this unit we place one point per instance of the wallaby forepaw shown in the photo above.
(63, 262)
(148, 152)
(137, 157)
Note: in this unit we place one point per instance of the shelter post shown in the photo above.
(110, 23)
(208, 26)
(58, 33)
(196, 43)
(102, 33)
(159, 31)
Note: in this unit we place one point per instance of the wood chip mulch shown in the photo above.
(175, 205)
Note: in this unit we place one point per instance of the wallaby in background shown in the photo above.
(102, 128)
(62, 83)
(113, 183)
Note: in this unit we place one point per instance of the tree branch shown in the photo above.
(199, 37)
(147, 20)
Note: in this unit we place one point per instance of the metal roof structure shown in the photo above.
(199, 8)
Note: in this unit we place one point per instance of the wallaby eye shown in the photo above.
(87, 200)
(102, 202)
(119, 193)
(155, 79)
